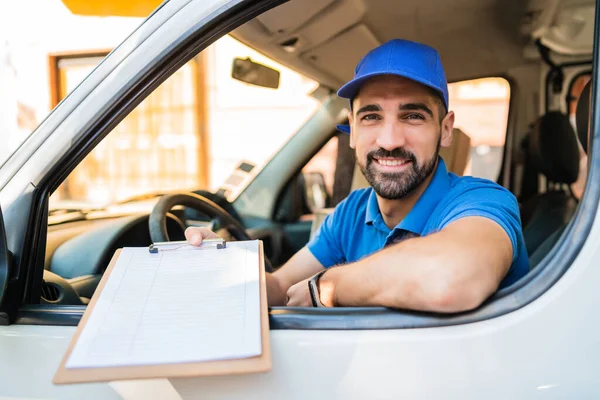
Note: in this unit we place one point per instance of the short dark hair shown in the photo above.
(440, 102)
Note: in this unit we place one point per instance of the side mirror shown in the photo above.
(315, 191)
(246, 70)
(305, 194)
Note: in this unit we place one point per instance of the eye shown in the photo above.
(370, 117)
(414, 116)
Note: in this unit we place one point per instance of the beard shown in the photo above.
(396, 185)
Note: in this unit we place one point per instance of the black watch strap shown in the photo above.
(313, 287)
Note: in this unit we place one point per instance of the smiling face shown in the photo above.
(397, 128)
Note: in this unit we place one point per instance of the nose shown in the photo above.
(391, 136)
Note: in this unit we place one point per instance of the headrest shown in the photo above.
(457, 155)
(553, 148)
(582, 115)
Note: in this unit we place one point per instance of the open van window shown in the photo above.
(237, 117)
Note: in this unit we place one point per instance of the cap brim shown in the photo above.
(350, 89)
(343, 128)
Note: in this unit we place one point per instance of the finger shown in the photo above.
(289, 297)
(193, 235)
(295, 296)
(292, 302)
(298, 301)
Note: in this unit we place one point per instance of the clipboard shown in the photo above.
(248, 365)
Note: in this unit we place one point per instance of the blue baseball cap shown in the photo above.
(412, 60)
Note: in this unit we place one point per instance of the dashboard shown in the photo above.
(85, 247)
(78, 252)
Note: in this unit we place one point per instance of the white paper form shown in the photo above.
(185, 305)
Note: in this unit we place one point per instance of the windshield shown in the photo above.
(200, 130)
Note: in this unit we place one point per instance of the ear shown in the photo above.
(351, 123)
(447, 126)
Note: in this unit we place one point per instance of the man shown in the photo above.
(420, 238)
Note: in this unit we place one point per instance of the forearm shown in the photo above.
(395, 277)
(442, 272)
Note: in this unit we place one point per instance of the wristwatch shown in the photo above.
(313, 287)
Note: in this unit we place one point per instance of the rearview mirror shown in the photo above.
(246, 70)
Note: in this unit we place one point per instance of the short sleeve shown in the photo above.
(489, 201)
(326, 244)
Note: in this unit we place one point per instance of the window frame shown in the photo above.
(567, 97)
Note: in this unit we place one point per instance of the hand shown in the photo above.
(299, 295)
(195, 235)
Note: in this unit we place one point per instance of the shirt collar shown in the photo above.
(417, 217)
(372, 208)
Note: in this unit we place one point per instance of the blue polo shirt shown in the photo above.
(356, 228)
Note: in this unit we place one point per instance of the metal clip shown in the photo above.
(216, 243)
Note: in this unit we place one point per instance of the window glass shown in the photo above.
(201, 129)
(246, 122)
(155, 148)
(576, 88)
(481, 109)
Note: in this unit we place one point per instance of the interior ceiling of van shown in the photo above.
(325, 39)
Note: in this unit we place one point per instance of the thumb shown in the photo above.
(196, 239)
(194, 235)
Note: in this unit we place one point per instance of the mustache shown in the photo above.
(398, 152)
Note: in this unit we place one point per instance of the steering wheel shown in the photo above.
(219, 217)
